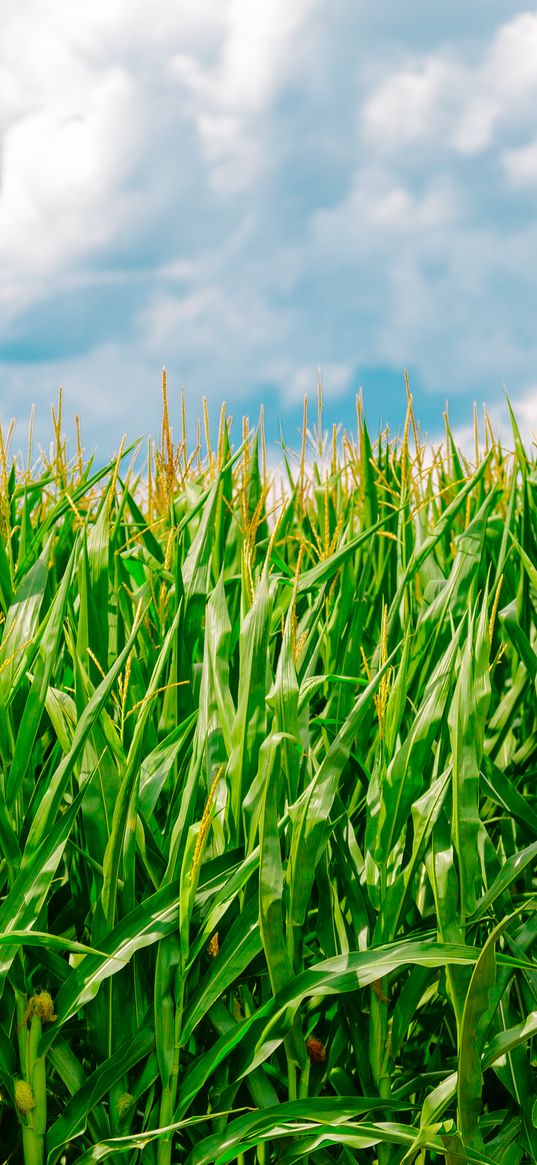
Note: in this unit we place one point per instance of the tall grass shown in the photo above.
(268, 826)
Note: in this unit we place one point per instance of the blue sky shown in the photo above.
(246, 192)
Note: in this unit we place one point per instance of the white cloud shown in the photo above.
(266, 190)
(228, 95)
(409, 106)
(64, 168)
(296, 383)
(437, 285)
(114, 392)
(73, 131)
(443, 101)
(437, 272)
(524, 408)
(379, 206)
(520, 165)
(172, 319)
(511, 62)
(84, 102)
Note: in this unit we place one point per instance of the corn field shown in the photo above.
(268, 817)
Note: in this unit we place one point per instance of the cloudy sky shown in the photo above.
(247, 190)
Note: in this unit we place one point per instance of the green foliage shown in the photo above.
(268, 822)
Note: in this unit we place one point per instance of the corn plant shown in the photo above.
(268, 822)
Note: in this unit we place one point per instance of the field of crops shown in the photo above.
(268, 820)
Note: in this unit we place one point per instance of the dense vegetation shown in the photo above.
(268, 824)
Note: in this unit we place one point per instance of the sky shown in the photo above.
(248, 192)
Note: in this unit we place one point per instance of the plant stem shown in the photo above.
(169, 1094)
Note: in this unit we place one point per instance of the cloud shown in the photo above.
(378, 205)
(410, 105)
(525, 410)
(96, 386)
(248, 192)
(86, 105)
(444, 102)
(228, 96)
(439, 256)
(73, 140)
(520, 165)
(298, 382)
(62, 170)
